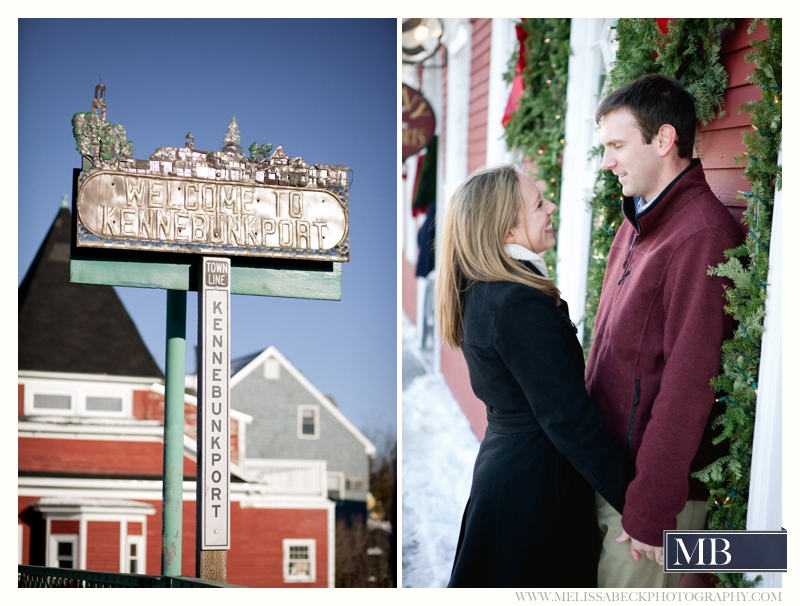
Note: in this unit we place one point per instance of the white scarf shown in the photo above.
(520, 253)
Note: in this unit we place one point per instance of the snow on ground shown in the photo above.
(438, 453)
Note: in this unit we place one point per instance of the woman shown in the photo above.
(530, 519)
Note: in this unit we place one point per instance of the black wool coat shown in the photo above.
(530, 520)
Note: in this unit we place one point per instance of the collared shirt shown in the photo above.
(642, 204)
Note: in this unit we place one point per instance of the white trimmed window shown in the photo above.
(299, 560)
(272, 369)
(77, 399)
(63, 551)
(355, 484)
(308, 421)
(336, 485)
(134, 554)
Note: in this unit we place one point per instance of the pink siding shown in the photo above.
(454, 369)
(479, 94)
(453, 365)
(409, 290)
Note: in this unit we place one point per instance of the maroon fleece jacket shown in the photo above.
(658, 332)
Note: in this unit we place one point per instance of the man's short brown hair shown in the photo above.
(655, 100)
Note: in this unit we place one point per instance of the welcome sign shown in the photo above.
(183, 200)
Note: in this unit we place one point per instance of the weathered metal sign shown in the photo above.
(224, 203)
(213, 404)
(148, 212)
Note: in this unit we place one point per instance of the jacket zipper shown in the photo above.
(627, 260)
(633, 414)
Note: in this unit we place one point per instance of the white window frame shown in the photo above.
(78, 394)
(311, 544)
(272, 369)
(339, 477)
(302, 408)
(52, 550)
(138, 540)
(355, 480)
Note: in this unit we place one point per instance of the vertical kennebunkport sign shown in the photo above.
(221, 223)
(213, 390)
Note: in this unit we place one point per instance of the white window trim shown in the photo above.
(340, 476)
(300, 410)
(20, 535)
(139, 541)
(312, 558)
(78, 393)
(591, 57)
(96, 512)
(272, 366)
(353, 480)
(52, 549)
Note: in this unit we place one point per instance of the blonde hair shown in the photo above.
(481, 212)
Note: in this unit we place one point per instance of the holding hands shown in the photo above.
(639, 549)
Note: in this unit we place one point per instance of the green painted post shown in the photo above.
(172, 501)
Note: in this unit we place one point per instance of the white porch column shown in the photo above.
(764, 505)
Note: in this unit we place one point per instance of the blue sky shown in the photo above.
(324, 89)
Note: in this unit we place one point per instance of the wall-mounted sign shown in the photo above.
(419, 122)
(213, 397)
(213, 203)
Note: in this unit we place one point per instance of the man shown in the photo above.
(660, 324)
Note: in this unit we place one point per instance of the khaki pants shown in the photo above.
(618, 569)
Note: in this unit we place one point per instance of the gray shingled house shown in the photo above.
(293, 420)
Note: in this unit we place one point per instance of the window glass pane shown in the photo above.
(51, 401)
(105, 404)
(65, 556)
(299, 564)
(134, 570)
(308, 422)
(354, 484)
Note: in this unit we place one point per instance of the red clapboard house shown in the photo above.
(90, 449)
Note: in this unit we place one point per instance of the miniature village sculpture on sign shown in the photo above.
(214, 203)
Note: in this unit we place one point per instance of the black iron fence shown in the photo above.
(40, 576)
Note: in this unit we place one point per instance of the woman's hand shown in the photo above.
(639, 549)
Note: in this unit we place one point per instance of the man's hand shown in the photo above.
(639, 549)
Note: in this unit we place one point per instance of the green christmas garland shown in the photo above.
(728, 479)
(690, 51)
(536, 129)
